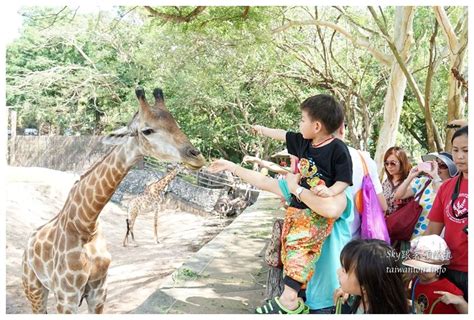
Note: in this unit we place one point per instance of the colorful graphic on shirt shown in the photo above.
(309, 171)
(457, 211)
(421, 303)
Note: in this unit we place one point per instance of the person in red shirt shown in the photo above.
(430, 293)
(450, 211)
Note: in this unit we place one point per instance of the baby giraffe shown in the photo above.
(152, 199)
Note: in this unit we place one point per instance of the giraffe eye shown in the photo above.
(147, 131)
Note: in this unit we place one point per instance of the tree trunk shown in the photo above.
(457, 52)
(397, 84)
(274, 283)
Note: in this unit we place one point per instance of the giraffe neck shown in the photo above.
(163, 182)
(95, 188)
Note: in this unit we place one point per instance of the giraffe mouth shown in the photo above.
(193, 167)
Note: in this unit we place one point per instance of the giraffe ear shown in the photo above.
(117, 137)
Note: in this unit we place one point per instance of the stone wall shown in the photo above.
(136, 181)
(56, 152)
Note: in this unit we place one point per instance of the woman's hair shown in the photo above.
(401, 155)
(375, 265)
(459, 132)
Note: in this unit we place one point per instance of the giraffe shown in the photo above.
(68, 255)
(152, 198)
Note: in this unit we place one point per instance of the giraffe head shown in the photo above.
(156, 133)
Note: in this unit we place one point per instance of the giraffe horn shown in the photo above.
(144, 106)
(159, 98)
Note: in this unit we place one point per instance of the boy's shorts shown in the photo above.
(303, 235)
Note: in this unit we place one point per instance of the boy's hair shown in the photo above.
(326, 109)
(460, 132)
(375, 266)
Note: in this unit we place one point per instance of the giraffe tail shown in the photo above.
(82, 298)
(129, 232)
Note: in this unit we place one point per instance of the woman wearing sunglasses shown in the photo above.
(397, 168)
(450, 211)
(432, 172)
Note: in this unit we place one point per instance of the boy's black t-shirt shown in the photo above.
(329, 163)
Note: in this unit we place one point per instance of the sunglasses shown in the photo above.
(442, 166)
(391, 163)
(453, 126)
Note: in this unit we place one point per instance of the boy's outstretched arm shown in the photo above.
(278, 134)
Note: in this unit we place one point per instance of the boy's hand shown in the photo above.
(322, 191)
(257, 129)
(449, 298)
(221, 165)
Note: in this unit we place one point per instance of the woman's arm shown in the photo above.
(404, 191)
(434, 228)
(266, 164)
(383, 201)
(331, 207)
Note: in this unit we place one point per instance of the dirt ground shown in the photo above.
(34, 195)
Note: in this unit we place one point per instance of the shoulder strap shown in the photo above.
(434, 304)
(413, 309)
(455, 194)
(419, 194)
(364, 164)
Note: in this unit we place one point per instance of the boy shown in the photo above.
(430, 293)
(325, 163)
(325, 166)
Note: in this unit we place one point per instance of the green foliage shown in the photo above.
(221, 72)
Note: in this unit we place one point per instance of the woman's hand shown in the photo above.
(414, 172)
(449, 298)
(434, 169)
(221, 165)
(250, 159)
(293, 181)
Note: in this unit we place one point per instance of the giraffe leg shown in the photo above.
(36, 293)
(67, 301)
(132, 216)
(155, 227)
(96, 296)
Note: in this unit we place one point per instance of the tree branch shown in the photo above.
(173, 17)
(447, 28)
(380, 56)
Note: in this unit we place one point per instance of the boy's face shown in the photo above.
(427, 276)
(309, 128)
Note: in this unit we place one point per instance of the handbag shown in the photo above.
(372, 218)
(273, 251)
(401, 223)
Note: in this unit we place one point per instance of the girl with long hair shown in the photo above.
(370, 274)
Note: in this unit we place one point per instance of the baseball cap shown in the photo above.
(428, 253)
(446, 157)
